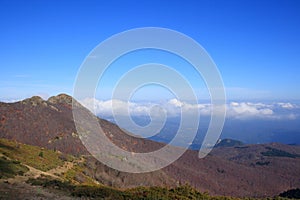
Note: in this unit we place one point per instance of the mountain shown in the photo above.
(50, 124)
(43, 123)
(247, 170)
(228, 143)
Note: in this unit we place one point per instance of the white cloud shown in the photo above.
(286, 105)
(174, 107)
(118, 107)
(10, 100)
(175, 102)
(246, 110)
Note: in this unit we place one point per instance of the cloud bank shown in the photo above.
(174, 107)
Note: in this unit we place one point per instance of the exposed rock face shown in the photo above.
(34, 101)
(61, 99)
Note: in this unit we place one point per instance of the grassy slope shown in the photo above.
(11, 168)
(184, 192)
(14, 154)
(36, 157)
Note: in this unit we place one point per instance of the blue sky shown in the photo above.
(255, 44)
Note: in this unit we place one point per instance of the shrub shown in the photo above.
(278, 153)
(11, 168)
(41, 154)
(292, 194)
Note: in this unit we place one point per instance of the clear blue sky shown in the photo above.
(255, 44)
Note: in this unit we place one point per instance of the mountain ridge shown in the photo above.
(242, 171)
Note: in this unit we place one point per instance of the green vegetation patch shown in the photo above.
(102, 192)
(278, 153)
(76, 175)
(49, 182)
(184, 192)
(39, 158)
(229, 143)
(291, 194)
(261, 163)
(11, 168)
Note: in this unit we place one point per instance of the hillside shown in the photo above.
(25, 167)
(249, 170)
(27, 177)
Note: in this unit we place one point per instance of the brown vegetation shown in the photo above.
(252, 170)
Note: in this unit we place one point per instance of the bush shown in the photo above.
(98, 192)
(11, 168)
(261, 163)
(41, 154)
(48, 182)
(278, 153)
(292, 194)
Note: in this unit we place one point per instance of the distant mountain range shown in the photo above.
(232, 169)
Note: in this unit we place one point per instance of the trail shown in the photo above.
(35, 173)
(18, 188)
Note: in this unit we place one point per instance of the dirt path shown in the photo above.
(54, 173)
(61, 169)
(16, 188)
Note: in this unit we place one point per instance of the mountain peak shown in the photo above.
(35, 100)
(61, 98)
